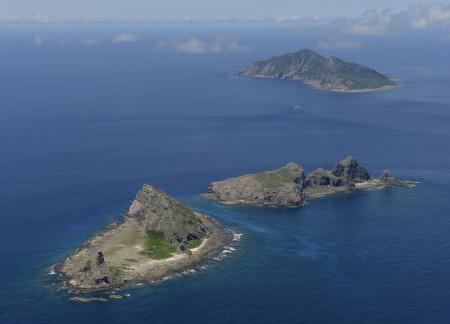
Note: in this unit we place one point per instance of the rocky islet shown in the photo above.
(289, 187)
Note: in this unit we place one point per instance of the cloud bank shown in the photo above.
(125, 38)
(387, 21)
(195, 46)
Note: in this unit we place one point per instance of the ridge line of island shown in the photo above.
(160, 236)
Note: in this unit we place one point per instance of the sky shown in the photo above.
(343, 24)
(194, 9)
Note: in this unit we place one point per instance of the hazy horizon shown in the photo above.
(48, 10)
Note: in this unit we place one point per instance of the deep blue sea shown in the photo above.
(83, 127)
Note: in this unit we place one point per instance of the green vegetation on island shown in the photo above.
(274, 179)
(157, 246)
(194, 243)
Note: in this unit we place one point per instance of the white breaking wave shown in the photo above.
(236, 236)
(51, 271)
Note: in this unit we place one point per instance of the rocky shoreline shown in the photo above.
(289, 187)
(118, 258)
(316, 86)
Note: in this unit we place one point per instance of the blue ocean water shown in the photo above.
(82, 128)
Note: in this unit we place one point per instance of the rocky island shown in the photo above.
(317, 71)
(289, 187)
(158, 237)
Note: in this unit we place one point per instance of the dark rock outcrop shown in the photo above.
(104, 279)
(341, 182)
(319, 177)
(100, 258)
(322, 177)
(389, 180)
(350, 170)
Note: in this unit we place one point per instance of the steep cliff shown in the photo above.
(157, 211)
(350, 170)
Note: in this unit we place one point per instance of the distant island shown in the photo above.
(289, 187)
(324, 73)
(158, 237)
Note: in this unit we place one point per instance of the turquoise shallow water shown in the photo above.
(82, 129)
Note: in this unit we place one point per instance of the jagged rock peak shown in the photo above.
(388, 179)
(350, 169)
(319, 177)
(296, 171)
(294, 166)
(100, 258)
(157, 211)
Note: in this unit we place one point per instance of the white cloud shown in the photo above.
(4, 18)
(434, 14)
(195, 46)
(41, 18)
(125, 38)
(38, 40)
(89, 41)
(339, 44)
(376, 22)
(373, 22)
